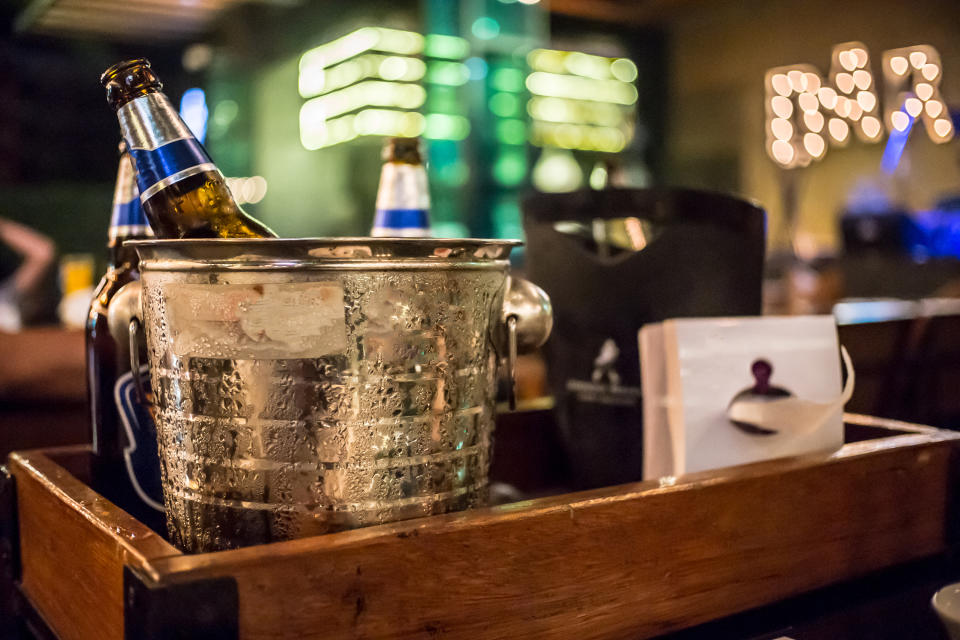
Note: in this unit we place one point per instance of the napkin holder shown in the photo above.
(726, 391)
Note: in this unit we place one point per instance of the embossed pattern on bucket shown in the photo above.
(303, 387)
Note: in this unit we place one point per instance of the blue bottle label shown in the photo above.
(163, 149)
(174, 161)
(128, 214)
(401, 222)
(127, 218)
(140, 453)
(403, 202)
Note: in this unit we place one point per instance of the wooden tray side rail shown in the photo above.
(630, 561)
(74, 545)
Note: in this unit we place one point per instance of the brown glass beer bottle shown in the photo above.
(183, 193)
(125, 465)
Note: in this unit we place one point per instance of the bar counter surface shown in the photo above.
(43, 392)
(846, 545)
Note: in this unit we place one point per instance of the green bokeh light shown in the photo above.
(451, 74)
(454, 174)
(510, 167)
(449, 229)
(511, 131)
(442, 126)
(507, 79)
(441, 46)
(507, 220)
(505, 104)
(444, 99)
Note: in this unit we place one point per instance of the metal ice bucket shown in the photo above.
(309, 386)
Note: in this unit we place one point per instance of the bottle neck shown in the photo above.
(127, 220)
(163, 148)
(403, 202)
(120, 256)
(127, 223)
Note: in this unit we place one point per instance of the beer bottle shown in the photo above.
(403, 199)
(117, 421)
(182, 191)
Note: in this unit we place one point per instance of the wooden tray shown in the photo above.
(632, 561)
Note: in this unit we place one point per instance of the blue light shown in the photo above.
(894, 149)
(193, 110)
(938, 233)
(478, 68)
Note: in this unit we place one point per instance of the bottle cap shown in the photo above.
(128, 78)
(405, 150)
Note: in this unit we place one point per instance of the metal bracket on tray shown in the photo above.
(206, 609)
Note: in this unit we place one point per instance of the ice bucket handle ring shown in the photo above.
(123, 318)
(528, 321)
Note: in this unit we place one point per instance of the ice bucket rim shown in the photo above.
(325, 241)
(320, 253)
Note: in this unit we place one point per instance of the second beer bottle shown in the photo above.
(183, 193)
(403, 198)
(125, 466)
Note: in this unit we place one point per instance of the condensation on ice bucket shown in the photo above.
(310, 386)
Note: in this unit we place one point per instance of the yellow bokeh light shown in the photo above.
(930, 71)
(943, 127)
(913, 106)
(863, 79)
(795, 76)
(843, 107)
(588, 66)
(781, 106)
(844, 82)
(828, 97)
(782, 152)
(575, 87)
(861, 57)
(547, 60)
(900, 120)
(813, 120)
(899, 65)
(781, 129)
(623, 70)
(570, 136)
(847, 60)
(855, 110)
(393, 68)
(839, 130)
(814, 144)
(808, 102)
(871, 126)
(315, 81)
(781, 84)
(368, 93)
(576, 111)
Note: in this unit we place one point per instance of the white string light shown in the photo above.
(912, 78)
(807, 114)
